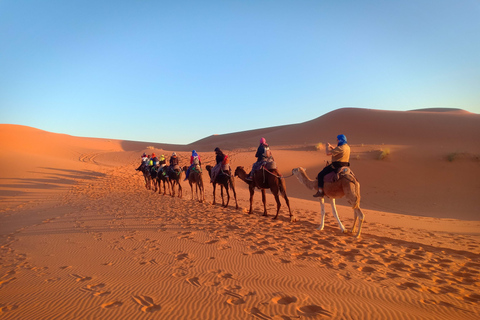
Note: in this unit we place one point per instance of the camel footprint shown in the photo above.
(112, 304)
(95, 289)
(80, 278)
(147, 303)
(194, 281)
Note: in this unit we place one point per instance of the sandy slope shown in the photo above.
(81, 238)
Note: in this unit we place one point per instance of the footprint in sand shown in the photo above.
(312, 310)
(284, 300)
(235, 301)
(194, 281)
(93, 287)
(225, 275)
(181, 256)
(179, 273)
(409, 285)
(80, 278)
(5, 308)
(6, 281)
(111, 304)
(147, 303)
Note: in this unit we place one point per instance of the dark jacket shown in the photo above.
(263, 152)
(219, 157)
(173, 161)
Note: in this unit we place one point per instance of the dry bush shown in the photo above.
(384, 153)
(320, 146)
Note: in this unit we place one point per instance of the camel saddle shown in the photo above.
(268, 165)
(340, 173)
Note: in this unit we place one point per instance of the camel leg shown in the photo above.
(214, 187)
(232, 185)
(264, 200)
(335, 214)
(284, 194)
(221, 193)
(322, 214)
(359, 215)
(252, 191)
(228, 195)
(191, 188)
(180, 190)
(277, 199)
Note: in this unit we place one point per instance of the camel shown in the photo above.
(174, 175)
(225, 181)
(195, 178)
(265, 179)
(344, 187)
(147, 176)
(166, 182)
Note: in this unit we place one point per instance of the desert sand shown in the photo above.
(82, 238)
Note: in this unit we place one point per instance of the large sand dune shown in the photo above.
(81, 237)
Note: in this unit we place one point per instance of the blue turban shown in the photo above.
(341, 139)
(194, 153)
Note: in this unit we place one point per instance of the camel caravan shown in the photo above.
(335, 181)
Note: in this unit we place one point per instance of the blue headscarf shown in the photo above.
(194, 153)
(341, 139)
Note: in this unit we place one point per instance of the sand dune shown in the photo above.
(81, 237)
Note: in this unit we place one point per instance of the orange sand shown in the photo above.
(81, 237)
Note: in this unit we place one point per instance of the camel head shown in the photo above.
(298, 170)
(239, 170)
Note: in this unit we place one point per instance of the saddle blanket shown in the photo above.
(342, 172)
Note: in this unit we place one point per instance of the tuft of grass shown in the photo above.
(150, 147)
(452, 156)
(384, 153)
(320, 146)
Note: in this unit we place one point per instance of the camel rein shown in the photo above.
(273, 174)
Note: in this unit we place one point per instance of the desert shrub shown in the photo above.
(320, 146)
(452, 156)
(150, 147)
(384, 153)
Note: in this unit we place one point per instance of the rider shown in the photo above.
(262, 155)
(340, 158)
(220, 158)
(162, 162)
(173, 161)
(194, 161)
(153, 160)
(144, 161)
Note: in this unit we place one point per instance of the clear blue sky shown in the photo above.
(178, 71)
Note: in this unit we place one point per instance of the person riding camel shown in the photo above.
(154, 160)
(173, 161)
(263, 154)
(194, 162)
(162, 163)
(144, 162)
(340, 158)
(221, 160)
